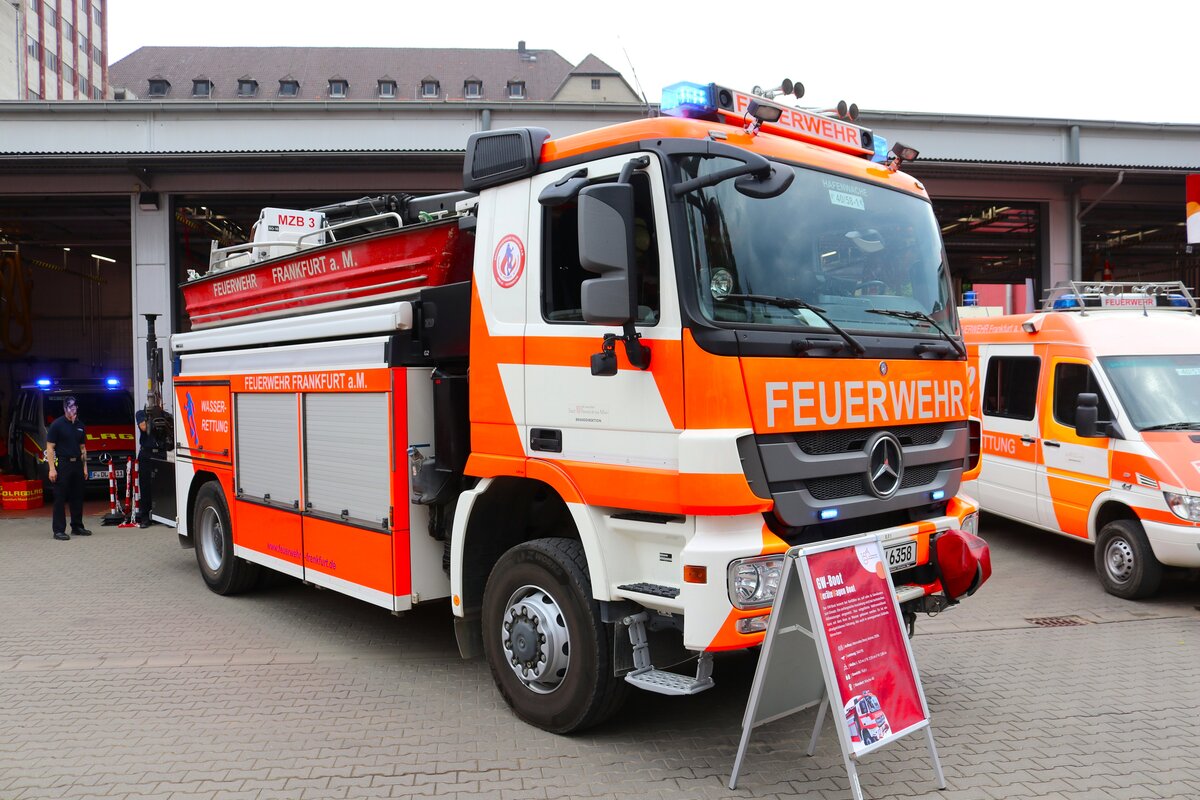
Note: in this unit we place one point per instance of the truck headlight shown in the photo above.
(970, 523)
(754, 582)
(1184, 505)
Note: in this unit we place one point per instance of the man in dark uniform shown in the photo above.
(66, 455)
(146, 444)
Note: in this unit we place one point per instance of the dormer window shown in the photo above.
(158, 87)
(387, 88)
(516, 90)
(289, 88)
(247, 87)
(430, 88)
(202, 87)
(473, 89)
(338, 87)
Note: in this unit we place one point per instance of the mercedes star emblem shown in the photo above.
(885, 464)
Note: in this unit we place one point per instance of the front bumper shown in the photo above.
(1174, 545)
(711, 621)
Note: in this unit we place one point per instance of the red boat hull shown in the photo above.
(352, 272)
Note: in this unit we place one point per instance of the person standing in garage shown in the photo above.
(146, 444)
(66, 454)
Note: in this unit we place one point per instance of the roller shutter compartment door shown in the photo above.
(346, 457)
(268, 448)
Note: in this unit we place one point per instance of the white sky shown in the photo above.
(1042, 58)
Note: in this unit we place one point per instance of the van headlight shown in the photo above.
(1184, 505)
(970, 523)
(754, 582)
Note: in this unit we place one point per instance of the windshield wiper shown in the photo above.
(796, 302)
(921, 316)
(1173, 426)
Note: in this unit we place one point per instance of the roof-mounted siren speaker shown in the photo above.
(786, 87)
(845, 112)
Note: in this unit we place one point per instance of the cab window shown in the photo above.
(563, 275)
(1011, 387)
(1069, 381)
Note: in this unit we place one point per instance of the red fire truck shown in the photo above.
(592, 399)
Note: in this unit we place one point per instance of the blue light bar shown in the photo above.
(881, 149)
(937, 494)
(43, 382)
(113, 382)
(687, 99)
(1067, 301)
(829, 513)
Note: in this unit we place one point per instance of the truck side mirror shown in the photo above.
(1087, 410)
(606, 248)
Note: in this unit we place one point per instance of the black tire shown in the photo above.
(224, 573)
(1124, 561)
(541, 592)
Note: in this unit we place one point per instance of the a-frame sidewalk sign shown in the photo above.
(837, 638)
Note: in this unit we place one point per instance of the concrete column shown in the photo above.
(1061, 231)
(152, 286)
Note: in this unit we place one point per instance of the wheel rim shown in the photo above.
(1119, 560)
(536, 642)
(212, 538)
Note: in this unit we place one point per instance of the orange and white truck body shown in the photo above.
(666, 484)
(1133, 485)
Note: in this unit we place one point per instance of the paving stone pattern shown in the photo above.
(121, 675)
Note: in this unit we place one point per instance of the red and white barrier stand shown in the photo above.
(133, 494)
(115, 514)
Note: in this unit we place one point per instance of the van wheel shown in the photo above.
(548, 650)
(223, 572)
(1124, 561)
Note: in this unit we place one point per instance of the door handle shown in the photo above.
(1049, 443)
(1028, 440)
(547, 440)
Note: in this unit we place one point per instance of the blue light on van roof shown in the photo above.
(43, 381)
(113, 382)
(1179, 300)
(1067, 301)
(881, 149)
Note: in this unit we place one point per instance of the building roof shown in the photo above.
(542, 71)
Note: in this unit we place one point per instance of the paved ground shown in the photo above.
(121, 675)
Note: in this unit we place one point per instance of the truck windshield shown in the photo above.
(1158, 392)
(844, 245)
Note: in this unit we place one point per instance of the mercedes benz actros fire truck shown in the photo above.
(590, 400)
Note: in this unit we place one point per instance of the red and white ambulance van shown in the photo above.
(1091, 424)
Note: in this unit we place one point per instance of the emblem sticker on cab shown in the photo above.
(508, 261)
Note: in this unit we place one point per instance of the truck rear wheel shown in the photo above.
(1124, 561)
(548, 650)
(223, 572)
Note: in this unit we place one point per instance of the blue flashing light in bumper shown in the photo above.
(112, 382)
(43, 382)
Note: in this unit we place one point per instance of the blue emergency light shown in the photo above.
(937, 494)
(112, 382)
(687, 99)
(43, 381)
(829, 513)
(881, 149)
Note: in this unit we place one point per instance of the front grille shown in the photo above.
(823, 443)
(837, 487)
(919, 476)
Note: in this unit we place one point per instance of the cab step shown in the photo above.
(660, 681)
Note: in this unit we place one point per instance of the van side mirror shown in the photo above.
(1087, 410)
(606, 248)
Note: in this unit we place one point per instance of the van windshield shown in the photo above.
(95, 408)
(844, 245)
(1157, 391)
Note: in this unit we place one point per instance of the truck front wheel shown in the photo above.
(223, 572)
(548, 650)
(1124, 561)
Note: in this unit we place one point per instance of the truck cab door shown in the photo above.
(1076, 469)
(1008, 482)
(616, 436)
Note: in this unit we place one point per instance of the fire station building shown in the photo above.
(105, 206)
